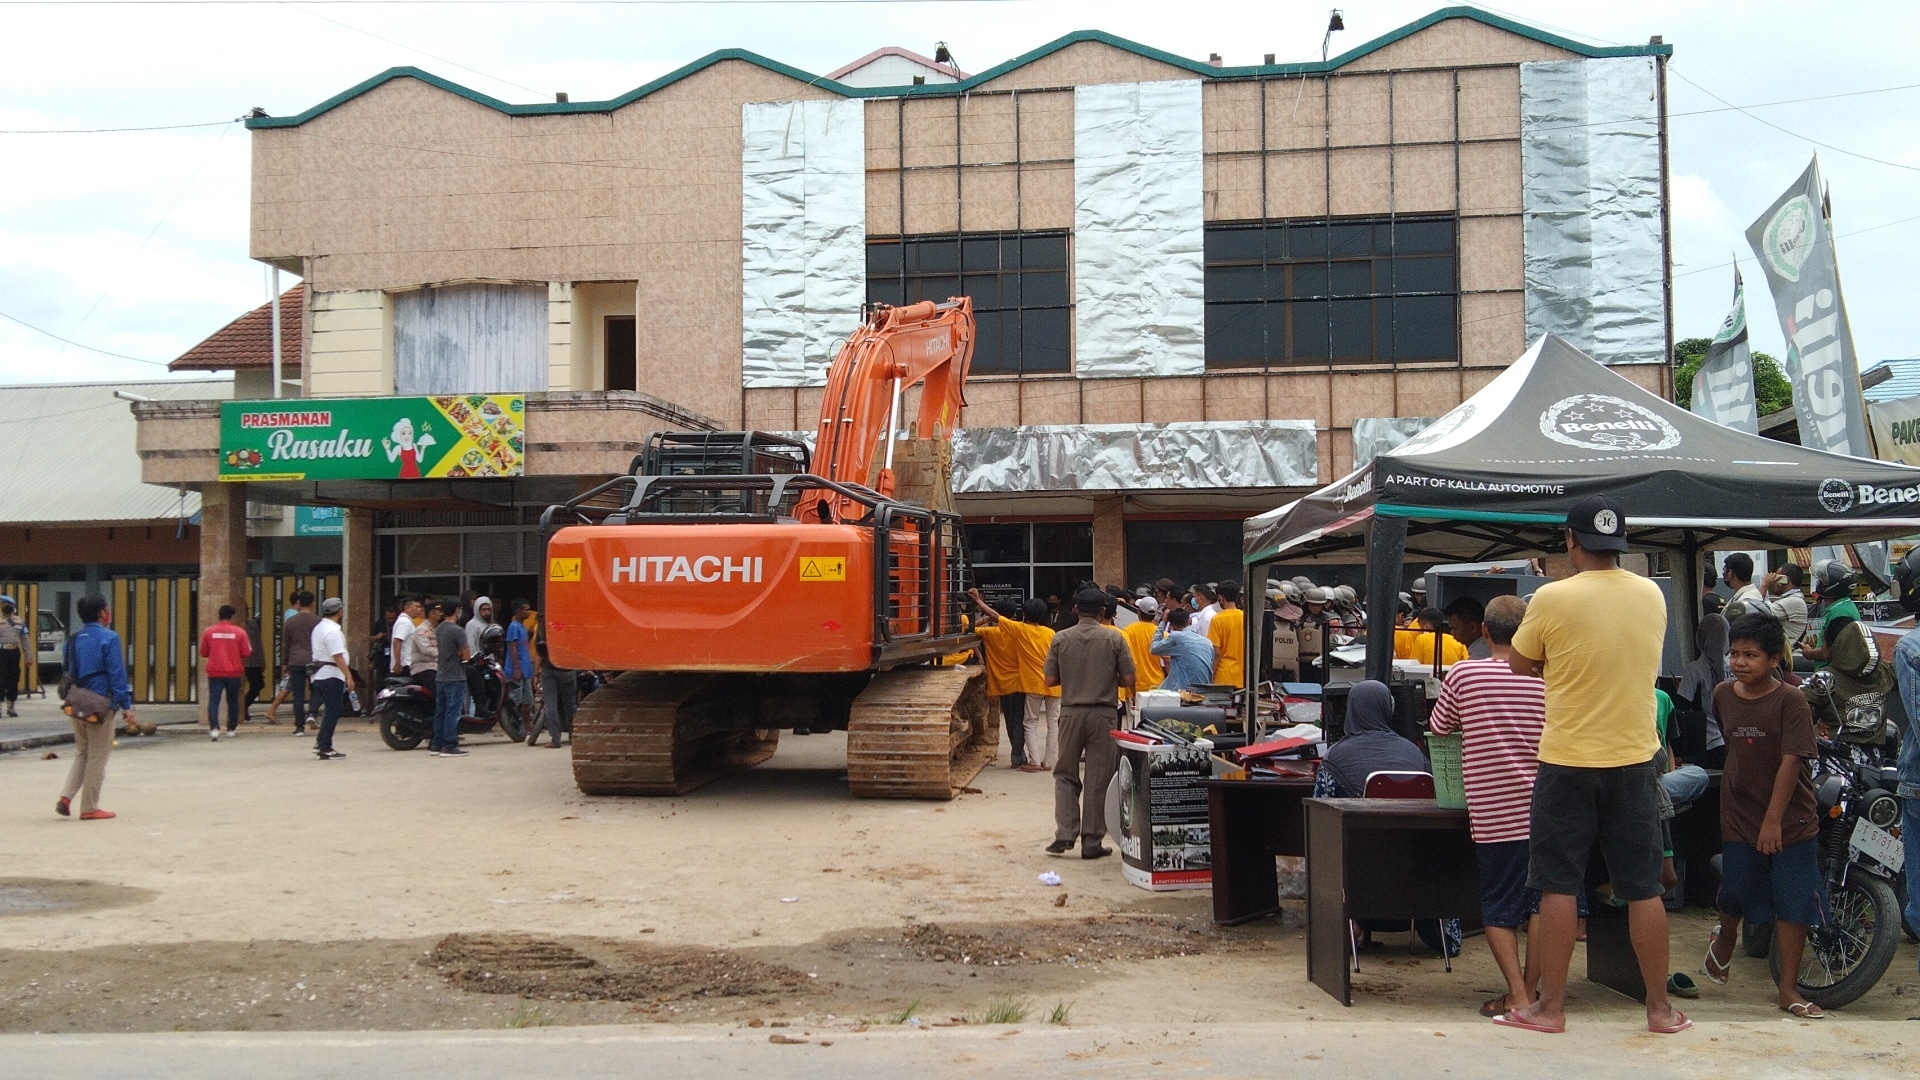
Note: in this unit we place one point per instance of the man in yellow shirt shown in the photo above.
(999, 641)
(1147, 668)
(1043, 701)
(1419, 645)
(1227, 630)
(1596, 639)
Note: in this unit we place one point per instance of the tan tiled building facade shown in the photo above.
(1174, 261)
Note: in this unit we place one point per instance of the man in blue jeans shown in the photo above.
(450, 683)
(1906, 672)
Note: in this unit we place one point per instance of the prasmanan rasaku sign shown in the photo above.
(400, 438)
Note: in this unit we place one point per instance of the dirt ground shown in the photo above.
(247, 886)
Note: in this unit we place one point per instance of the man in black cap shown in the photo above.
(1595, 638)
(1089, 662)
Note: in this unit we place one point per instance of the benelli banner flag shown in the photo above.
(1723, 387)
(408, 438)
(1896, 429)
(1795, 243)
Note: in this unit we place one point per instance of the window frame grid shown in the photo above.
(902, 276)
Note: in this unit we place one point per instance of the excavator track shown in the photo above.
(633, 737)
(920, 733)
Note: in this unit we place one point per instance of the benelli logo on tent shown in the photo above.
(1605, 422)
(1836, 496)
(1871, 495)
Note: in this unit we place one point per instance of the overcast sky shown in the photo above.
(136, 243)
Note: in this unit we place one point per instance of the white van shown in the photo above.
(52, 635)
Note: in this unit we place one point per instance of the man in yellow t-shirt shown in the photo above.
(999, 633)
(1419, 643)
(1043, 701)
(1147, 668)
(1227, 630)
(1596, 639)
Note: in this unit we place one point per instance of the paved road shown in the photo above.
(1835, 1048)
(41, 722)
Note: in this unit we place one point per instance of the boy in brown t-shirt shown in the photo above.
(1769, 825)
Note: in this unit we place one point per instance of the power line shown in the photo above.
(1784, 131)
(78, 345)
(299, 6)
(114, 130)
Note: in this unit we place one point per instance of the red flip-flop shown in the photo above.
(1680, 1024)
(1514, 1020)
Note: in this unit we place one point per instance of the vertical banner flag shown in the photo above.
(1795, 246)
(1723, 387)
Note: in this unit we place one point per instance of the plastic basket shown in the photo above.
(1449, 788)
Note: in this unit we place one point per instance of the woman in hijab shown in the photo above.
(1700, 676)
(1368, 745)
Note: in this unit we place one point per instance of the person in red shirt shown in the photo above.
(224, 649)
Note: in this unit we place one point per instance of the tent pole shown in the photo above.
(1254, 592)
(1386, 552)
(1686, 595)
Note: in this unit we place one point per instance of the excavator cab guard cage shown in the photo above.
(920, 570)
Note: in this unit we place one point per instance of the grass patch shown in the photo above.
(530, 1015)
(1002, 1010)
(908, 1013)
(1062, 1012)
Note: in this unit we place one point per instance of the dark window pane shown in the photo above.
(1059, 583)
(1235, 245)
(1309, 329)
(1044, 253)
(1422, 237)
(985, 290)
(997, 543)
(988, 359)
(1043, 340)
(1423, 327)
(1349, 240)
(1236, 283)
(1429, 274)
(1063, 542)
(1351, 278)
(936, 256)
(1309, 280)
(936, 289)
(981, 254)
(1044, 289)
(993, 579)
(883, 260)
(1306, 241)
(884, 292)
(1235, 335)
(1352, 330)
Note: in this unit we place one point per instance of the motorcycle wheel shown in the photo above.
(393, 736)
(1849, 953)
(510, 724)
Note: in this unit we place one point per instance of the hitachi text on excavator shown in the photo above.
(746, 586)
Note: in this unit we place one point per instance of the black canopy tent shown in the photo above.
(1495, 477)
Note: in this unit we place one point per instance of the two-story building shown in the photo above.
(1200, 288)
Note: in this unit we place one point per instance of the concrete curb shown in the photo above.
(34, 742)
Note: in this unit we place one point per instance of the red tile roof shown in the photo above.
(246, 343)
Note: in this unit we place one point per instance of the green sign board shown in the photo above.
(409, 438)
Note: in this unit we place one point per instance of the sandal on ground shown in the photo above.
(1515, 1020)
(1494, 1006)
(1709, 964)
(1680, 986)
(1805, 1010)
(1680, 1024)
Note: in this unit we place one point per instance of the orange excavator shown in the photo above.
(746, 585)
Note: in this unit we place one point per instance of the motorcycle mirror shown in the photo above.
(1829, 794)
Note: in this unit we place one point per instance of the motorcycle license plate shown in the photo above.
(1878, 844)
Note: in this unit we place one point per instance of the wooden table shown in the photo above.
(1381, 859)
(1251, 821)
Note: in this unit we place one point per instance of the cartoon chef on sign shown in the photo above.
(405, 448)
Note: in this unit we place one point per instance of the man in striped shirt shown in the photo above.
(1500, 715)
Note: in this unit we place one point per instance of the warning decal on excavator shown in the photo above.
(563, 569)
(823, 568)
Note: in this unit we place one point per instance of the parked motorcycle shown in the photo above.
(404, 707)
(1860, 860)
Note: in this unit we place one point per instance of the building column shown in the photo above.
(358, 586)
(223, 555)
(1110, 540)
